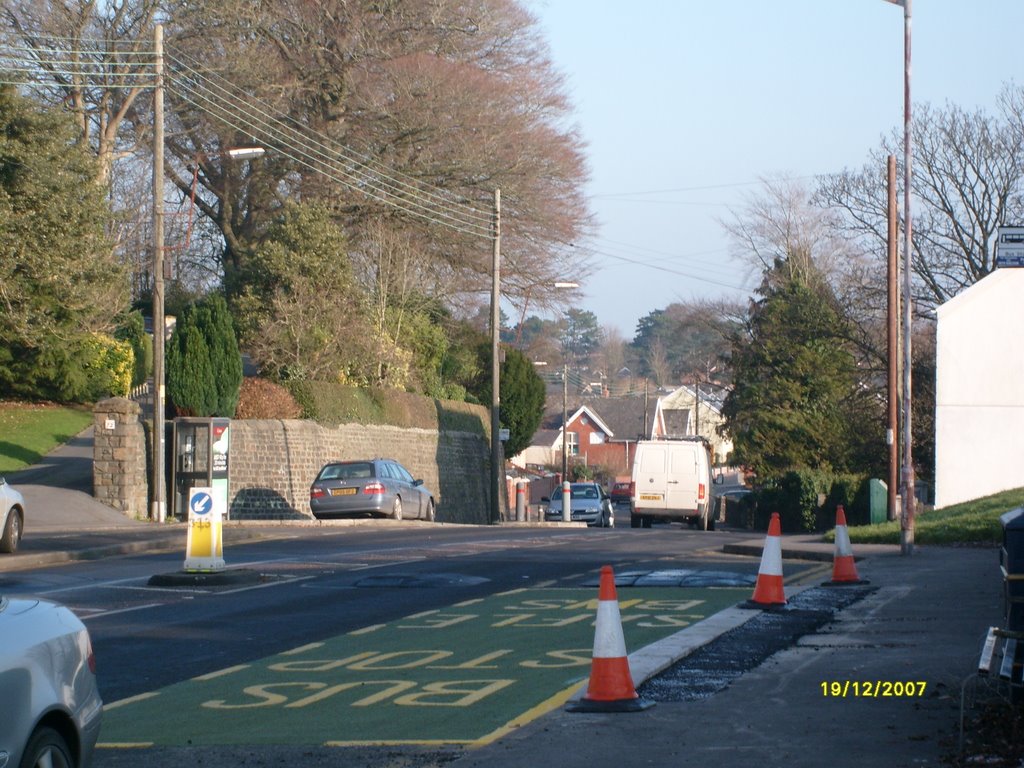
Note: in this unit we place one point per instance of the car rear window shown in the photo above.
(355, 471)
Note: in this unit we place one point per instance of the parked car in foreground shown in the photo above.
(12, 517)
(50, 706)
(588, 504)
(375, 487)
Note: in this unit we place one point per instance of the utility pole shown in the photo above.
(496, 464)
(893, 305)
(907, 522)
(159, 503)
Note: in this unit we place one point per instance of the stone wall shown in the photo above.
(273, 462)
(119, 457)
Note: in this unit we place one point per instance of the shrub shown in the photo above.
(109, 364)
(133, 331)
(265, 399)
(330, 404)
(795, 496)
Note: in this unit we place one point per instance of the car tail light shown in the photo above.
(374, 488)
(701, 491)
(632, 489)
(316, 492)
(91, 657)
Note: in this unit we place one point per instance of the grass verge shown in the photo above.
(28, 431)
(972, 522)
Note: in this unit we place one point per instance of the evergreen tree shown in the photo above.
(522, 396)
(225, 358)
(61, 279)
(190, 385)
(795, 383)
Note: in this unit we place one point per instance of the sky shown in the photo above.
(686, 105)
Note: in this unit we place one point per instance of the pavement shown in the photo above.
(809, 705)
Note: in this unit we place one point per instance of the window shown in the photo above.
(572, 443)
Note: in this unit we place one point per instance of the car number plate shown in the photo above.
(342, 491)
(650, 497)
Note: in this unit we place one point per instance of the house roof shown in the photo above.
(621, 417)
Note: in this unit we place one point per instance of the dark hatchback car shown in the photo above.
(375, 487)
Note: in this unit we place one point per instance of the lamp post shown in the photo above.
(566, 488)
(158, 511)
(907, 470)
(496, 462)
(560, 284)
(234, 153)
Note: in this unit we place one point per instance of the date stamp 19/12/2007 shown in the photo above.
(872, 689)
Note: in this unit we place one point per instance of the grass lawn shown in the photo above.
(972, 522)
(28, 431)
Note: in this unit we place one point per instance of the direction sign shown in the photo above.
(200, 502)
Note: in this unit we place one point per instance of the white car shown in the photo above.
(12, 519)
(50, 706)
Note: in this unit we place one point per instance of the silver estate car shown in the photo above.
(50, 707)
(376, 487)
(12, 518)
(589, 504)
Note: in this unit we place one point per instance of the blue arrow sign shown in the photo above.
(200, 502)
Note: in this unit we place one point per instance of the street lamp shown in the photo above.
(234, 153)
(496, 463)
(159, 505)
(560, 284)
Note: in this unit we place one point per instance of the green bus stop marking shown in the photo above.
(458, 675)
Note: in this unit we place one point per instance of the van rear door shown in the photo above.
(651, 477)
(681, 486)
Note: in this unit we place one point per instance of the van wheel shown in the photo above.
(634, 521)
(646, 522)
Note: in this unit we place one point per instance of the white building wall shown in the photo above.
(979, 390)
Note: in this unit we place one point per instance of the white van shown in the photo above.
(672, 482)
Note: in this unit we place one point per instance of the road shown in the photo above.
(438, 606)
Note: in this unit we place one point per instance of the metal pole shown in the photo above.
(496, 468)
(907, 523)
(566, 487)
(159, 504)
(565, 415)
(892, 324)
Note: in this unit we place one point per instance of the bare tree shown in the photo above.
(96, 59)
(968, 180)
(441, 101)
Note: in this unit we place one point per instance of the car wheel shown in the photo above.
(396, 509)
(12, 533)
(431, 512)
(46, 749)
(704, 521)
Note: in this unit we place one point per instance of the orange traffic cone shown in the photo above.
(768, 591)
(844, 570)
(611, 686)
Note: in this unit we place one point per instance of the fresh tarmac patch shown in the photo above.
(715, 665)
(464, 674)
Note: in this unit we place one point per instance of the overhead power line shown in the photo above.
(62, 63)
(237, 109)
